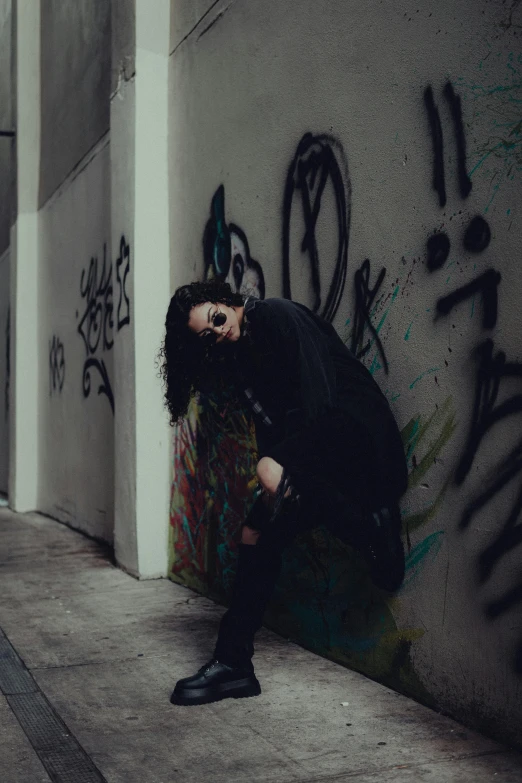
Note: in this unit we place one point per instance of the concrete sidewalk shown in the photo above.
(103, 652)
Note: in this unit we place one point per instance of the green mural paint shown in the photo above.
(411, 522)
(430, 546)
(421, 376)
(437, 429)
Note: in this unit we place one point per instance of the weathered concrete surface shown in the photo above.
(106, 651)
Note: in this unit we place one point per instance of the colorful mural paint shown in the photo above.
(214, 463)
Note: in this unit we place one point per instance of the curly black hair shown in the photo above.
(188, 364)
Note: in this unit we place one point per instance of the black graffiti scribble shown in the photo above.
(492, 370)
(317, 161)
(96, 324)
(364, 299)
(123, 260)
(227, 254)
(438, 248)
(477, 235)
(7, 361)
(438, 146)
(485, 284)
(453, 99)
(437, 138)
(105, 386)
(56, 365)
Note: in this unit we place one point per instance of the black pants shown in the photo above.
(341, 476)
(259, 565)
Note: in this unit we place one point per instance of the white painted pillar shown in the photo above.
(142, 434)
(24, 380)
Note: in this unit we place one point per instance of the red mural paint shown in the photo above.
(214, 461)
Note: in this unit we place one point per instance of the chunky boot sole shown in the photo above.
(236, 689)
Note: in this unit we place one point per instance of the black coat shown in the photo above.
(301, 372)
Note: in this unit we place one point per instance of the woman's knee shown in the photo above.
(269, 474)
(249, 535)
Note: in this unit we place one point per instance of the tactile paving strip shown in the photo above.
(62, 756)
(14, 677)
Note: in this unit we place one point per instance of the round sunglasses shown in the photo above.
(218, 319)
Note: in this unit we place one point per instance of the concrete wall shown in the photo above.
(7, 198)
(140, 212)
(78, 324)
(6, 124)
(75, 81)
(80, 298)
(123, 121)
(5, 369)
(363, 111)
(123, 28)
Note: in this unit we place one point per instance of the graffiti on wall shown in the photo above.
(56, 365)
(494, 372)
(226, 252)
(215, 459)
(493, 368)
(209, 500)
(122, 273)
(325, 597)
(319, 163)
(364, 301)
(96, 324)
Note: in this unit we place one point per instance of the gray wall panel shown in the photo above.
(6, 123)
(75, 76)
(123, 41)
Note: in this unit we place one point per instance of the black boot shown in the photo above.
(230, 673)
(216, 681)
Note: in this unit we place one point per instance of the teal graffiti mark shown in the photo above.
(375, 365)
(426, 372)
(407, 335)
(428, 548)
(497, 107)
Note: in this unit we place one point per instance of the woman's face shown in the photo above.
(209, 319)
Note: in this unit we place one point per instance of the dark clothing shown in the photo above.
(330, 419)
(332, 431)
